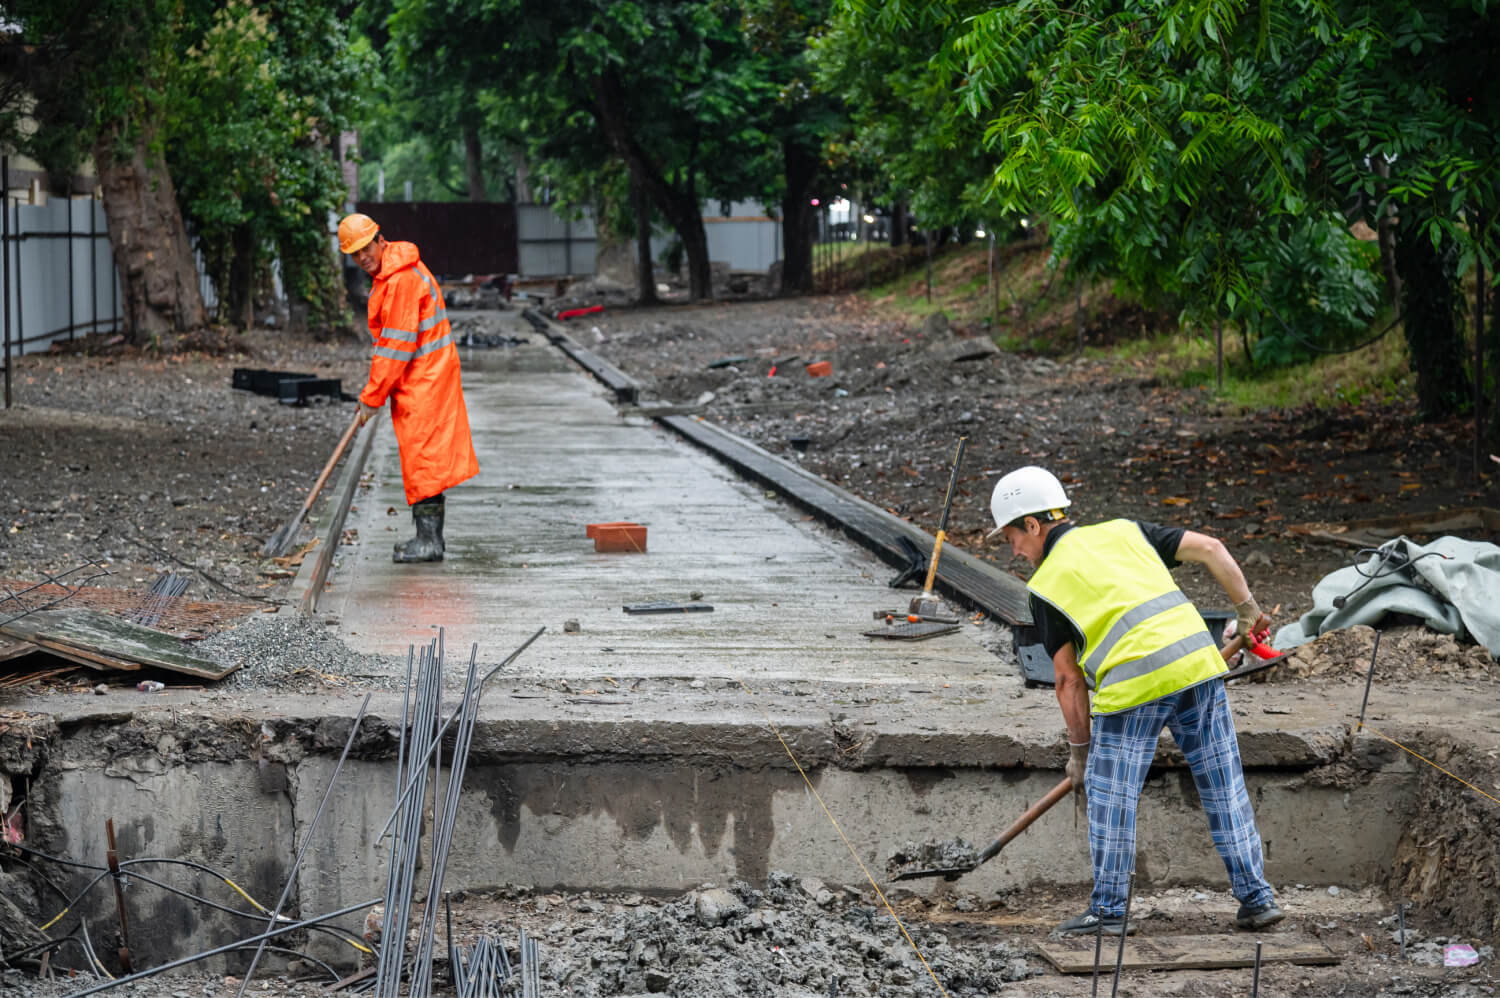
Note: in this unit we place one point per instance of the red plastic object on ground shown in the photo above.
(619, 537)
(574, 313)
(821, 369)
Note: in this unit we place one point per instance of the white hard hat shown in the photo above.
(1028, 491)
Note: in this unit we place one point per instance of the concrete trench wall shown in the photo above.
(646, 825)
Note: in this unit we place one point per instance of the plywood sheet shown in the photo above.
(105, 639)
(1075, 955)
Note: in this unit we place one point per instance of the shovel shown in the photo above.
(1034, 812)
(280, 542)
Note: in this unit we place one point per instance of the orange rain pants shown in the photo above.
(415, 365)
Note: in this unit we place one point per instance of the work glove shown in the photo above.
(1078, 762)
(1249, 620)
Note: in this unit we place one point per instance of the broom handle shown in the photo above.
(338, 452)
(942, 532)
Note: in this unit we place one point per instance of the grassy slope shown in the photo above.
(1034, 309)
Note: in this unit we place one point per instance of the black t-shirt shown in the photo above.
(1053, 628)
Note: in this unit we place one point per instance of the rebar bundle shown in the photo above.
(419, 764)
(160, 596)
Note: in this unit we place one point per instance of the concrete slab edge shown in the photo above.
(307, 587)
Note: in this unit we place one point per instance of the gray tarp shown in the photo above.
(1455, 594)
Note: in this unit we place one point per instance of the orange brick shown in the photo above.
(821, 369)
(618, 537)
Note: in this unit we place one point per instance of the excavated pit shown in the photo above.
(658, 809)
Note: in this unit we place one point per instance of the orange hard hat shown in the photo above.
(356, 231)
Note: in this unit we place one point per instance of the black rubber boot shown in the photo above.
(427, 517)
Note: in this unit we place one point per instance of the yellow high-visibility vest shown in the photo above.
(1142, 637)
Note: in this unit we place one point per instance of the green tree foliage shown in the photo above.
(1212, 151)
(897, 67)
(661, 86)
(252, 116)
(93, 74)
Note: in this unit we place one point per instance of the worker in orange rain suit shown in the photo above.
(415, 365)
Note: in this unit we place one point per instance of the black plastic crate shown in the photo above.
(262, 381)
(296, 391)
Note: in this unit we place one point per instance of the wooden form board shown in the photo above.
(100, 640)
(1075, 954)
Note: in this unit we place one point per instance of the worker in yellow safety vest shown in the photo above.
(1117, 626)
(415, 367)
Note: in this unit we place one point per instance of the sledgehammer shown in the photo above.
(928, 605)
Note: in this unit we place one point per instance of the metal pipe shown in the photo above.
(1255, 981)
(1124, 931)
(20, 284)
(291, 876)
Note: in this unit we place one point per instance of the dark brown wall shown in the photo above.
(455, 237)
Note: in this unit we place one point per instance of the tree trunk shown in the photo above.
(898, 224)
(1385, 236)
(640, 204)
(474, 164)
(158, 279)
(801, 168)
(677, 203)
(238, 305)
(1431, 305)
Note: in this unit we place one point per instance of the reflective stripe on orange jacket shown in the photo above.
(416, 366)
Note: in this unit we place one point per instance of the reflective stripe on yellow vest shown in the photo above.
(1142, 638)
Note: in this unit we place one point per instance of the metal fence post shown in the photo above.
(69, 205)
(5, 266)
(93, 266)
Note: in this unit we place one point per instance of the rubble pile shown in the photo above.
(795, 938)
(1406, 652)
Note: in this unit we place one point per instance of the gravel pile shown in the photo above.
(795, 938)
(289, 651)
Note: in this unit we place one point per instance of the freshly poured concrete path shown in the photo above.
(790, 597)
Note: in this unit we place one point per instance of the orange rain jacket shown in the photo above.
(415, 365)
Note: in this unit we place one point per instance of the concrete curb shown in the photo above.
(307, 587)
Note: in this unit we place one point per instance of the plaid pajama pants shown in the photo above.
(1123, 747)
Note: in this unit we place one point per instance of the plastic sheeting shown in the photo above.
(1452, 585)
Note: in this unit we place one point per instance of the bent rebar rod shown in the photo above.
(280, 930)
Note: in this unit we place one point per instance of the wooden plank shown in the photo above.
(1075, 954)
(14, 648)
(87, 658)
(91, 634)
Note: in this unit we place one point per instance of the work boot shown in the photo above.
(1259, 917)
(1089, 923)
(427, 517)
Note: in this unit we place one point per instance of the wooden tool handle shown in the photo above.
(338, 452)
(1034, 812)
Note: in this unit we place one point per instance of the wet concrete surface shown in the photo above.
(790, 599)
